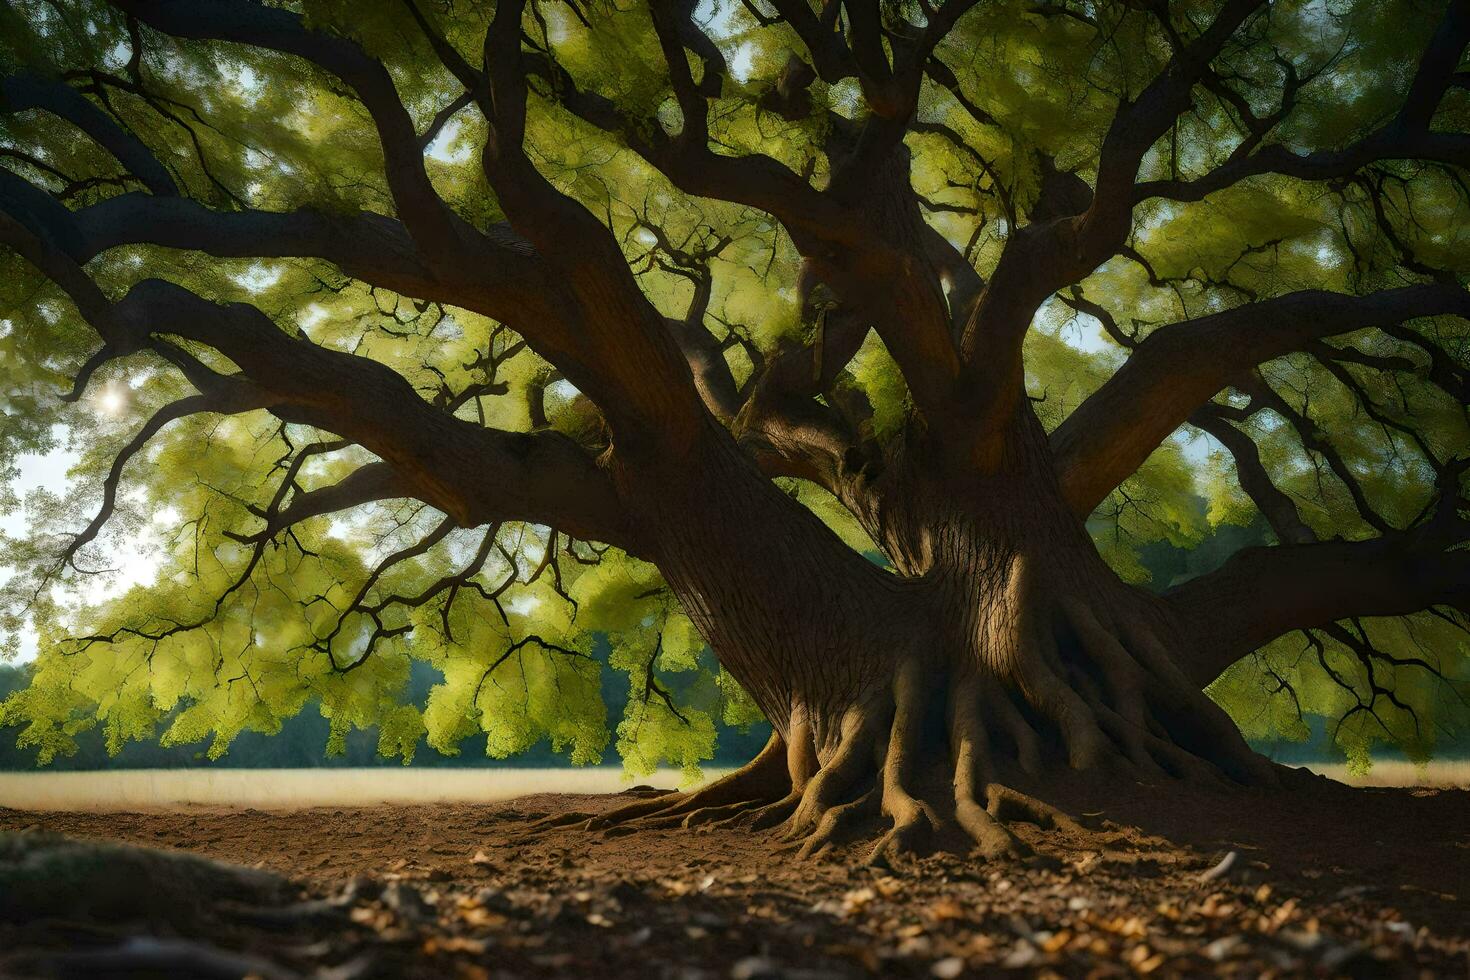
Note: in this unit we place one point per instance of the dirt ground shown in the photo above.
(1365, 882)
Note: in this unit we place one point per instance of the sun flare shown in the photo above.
(113, 400)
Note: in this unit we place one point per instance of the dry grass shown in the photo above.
(1450, 772)
(272, 789)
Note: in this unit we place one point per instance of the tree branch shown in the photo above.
(1406, 136)
(1042, 257)
(875, 254)
(27, 91)
(1263, 593)
(428, 218)
(622, 356)
(1278, 508)
(366, 484)
(184, 407)
(474, 473)
(1180, 367)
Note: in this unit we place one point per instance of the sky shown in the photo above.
(49, 472)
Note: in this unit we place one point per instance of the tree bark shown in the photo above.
(998, 650)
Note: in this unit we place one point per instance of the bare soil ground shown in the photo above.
(1335, 881)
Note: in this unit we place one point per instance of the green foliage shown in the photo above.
(206, 643)
(1383, 692)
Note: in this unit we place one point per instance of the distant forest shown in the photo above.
(301, 743)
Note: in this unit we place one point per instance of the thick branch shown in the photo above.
(475, 474)
(866, 239)
(498, 274)
(1042, 257)
(27, 91)
(373, 248)
(1263, 593)
(1178, 368)
(427, 216)
(622, 355)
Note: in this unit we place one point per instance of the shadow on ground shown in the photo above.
(1330, 881)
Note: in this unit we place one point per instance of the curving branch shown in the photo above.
(1318, 445)
(245, 399)
(878, 257)
(373, 248)
(474, 473)
(1406, 136)
(29, 91)
(441, 256)
(621, 355)
(1275, 505)
(427, 217)
(374, 612)
(1263, 593)
(1044, 256)
(367, 484)
(1178, 368)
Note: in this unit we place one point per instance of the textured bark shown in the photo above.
(999, 650)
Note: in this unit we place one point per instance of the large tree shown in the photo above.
(428, 330)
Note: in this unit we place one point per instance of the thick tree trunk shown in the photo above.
(801, 620)
(998, 649)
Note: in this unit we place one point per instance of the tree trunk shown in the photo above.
(999, 650)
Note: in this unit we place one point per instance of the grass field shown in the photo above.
(1450, 772)
(269, 789)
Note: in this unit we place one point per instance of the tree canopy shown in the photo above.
(320, 295)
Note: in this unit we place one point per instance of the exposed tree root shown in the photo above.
(759, 782)
(934, 759)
